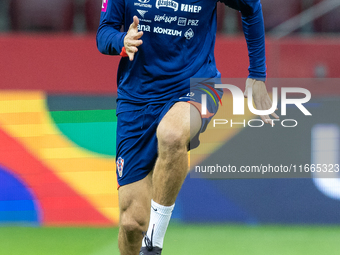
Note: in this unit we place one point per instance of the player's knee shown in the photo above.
(132, 227)
(172, 138)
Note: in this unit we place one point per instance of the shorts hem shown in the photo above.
(129, 181)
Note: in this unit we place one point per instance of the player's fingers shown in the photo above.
(135, 23)
(138, 35)
(135, 20)
(268, 106)
(134, 43)
(130, 55)
(131, 49)
(261, 106)
(270, 121)
(132, 39)
(265, 106)
(131, 27)
(265, 118)
(275, 115)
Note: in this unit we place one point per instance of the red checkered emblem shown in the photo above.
(120, 165)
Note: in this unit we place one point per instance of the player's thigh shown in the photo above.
(183, 120)
(135, 204)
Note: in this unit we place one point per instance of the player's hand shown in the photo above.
(132, 39)
(261, 98)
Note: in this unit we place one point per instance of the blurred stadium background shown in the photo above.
(57, 133)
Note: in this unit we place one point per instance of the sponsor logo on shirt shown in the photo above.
(167, 31)
(104, 5)
(164, 18)
(143, 3)
(188, 96)
(167, 3)
(145, 28)
(191, 22)
(142, 14)
(191, 8)
(189, 34)
(182, 21)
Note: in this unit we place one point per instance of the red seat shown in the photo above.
(276, 12)
(92, 14)
(41, 15)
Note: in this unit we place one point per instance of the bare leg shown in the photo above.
(173, 134)
(181, 123)
(134, 204)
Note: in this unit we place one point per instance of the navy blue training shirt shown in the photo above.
(178, 44)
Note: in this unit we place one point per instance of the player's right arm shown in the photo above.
(110, 40)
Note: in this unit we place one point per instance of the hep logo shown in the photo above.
(104, 5)
(120, 165)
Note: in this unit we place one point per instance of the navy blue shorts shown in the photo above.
(136, 133)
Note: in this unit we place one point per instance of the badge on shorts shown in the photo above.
(120, 165)
(104, 5)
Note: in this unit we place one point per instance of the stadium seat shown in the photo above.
(276, 12)
(329, 23)
(220, 16)
(92, 14)
(41, 15)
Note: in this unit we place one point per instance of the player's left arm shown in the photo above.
(253, 28)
